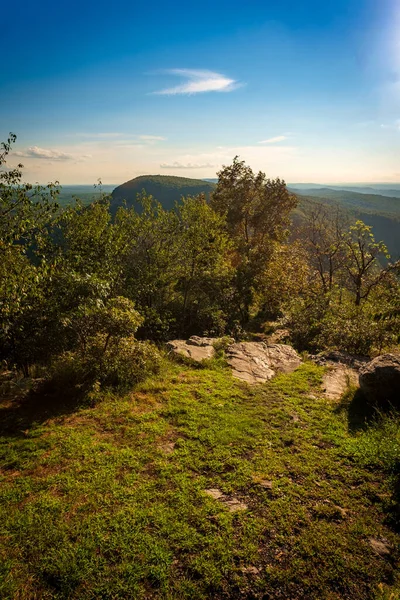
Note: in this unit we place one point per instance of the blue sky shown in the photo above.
(308, 91)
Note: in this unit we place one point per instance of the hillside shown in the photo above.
(380, 212)
(369, 203)
(166, 189)
(382, 189)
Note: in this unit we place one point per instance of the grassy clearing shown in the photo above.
(108, 501)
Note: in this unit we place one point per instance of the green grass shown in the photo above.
(108, 501)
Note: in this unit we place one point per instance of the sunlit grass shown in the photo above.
(108, 501)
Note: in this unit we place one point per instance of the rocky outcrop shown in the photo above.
(337, 380)
(196, 348)
(254, 362)
(332, 357)
(257, 362)
(342, 371)
(380, 380)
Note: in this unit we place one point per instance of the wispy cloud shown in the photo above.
(394, 125)
(189, 165)
(117, 137)
(274, 140)
(36, 152)
(198, 81)
(152, 138)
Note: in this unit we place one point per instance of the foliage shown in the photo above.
(119, 363)
(175, 266)
(83, 276)
(107, 353)
(362, 253)
(26, 214)
(257, 213)
(357, 329)
(286, 276)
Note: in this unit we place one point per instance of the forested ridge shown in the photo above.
(80, 279)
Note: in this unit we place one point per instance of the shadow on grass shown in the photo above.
(360, 413)
(20, 413)
(392, 509)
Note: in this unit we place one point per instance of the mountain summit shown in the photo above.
(167, 189)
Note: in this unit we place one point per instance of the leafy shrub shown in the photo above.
(355, 329)
(125, 362)
(303, 319)
(221, 344)
(334, 322)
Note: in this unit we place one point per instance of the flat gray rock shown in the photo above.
(337, 380)
(232, 504)
(196, 348)
(257, 362)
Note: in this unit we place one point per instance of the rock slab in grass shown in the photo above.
(342, 371)
(380, 380)
(257, 362)
(232, 504)
(337, 380)
(196, 348)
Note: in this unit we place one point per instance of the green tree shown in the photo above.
(204, 272)
(361, 264)
(26, 217)
(257, 212)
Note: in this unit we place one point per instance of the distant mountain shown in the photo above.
(380, 212)
(167, 189)
(383, 189)
(369, 203)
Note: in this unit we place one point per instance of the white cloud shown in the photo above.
(199, 82)
(152, 138)
(274, 140)
(50, 155)
(36, 152)
(189, 165)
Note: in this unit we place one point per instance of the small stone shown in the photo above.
(214, 493)
(250, 570)
(196, 348)
(337, 380)
(267, 485)
(235, 505)
(380, 380)
(381, 547)
(168, 447)
(257, 362)
(341, 511)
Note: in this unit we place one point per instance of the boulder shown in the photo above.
(342, 371)
(337, 380)
(337, 357)
(196, 348)
(257, 362)
(380, 380)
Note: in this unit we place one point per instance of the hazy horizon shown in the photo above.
(288, 183)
